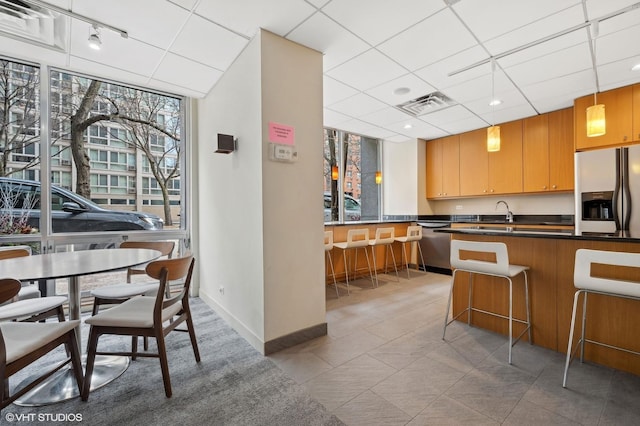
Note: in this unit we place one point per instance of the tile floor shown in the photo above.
(384, 363)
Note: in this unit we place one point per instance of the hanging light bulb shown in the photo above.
(378, 177)
(596, 122)
(94, 38)
(334, 173)
(493, 132)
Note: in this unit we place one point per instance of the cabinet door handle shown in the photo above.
(554, 186)
(485, 191)
(492, 190)
(624, 138)
(544, 186)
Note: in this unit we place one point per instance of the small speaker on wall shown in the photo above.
(226, 144)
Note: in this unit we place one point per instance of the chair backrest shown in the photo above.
(9, 288)
(582, 278)
(164, 247)
(168, 270)
(414, 233)
(494, 249)
(12, 252)
(358, 238)
(328, 240)
(385, 236)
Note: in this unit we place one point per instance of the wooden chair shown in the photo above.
(30, 309)
(118, 293)
(22, 343)
(147, 316)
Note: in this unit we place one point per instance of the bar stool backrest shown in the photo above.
(385, 235)
(358, 238)
(499, 250)
(582, 278)
(414, 233)
(328, 240)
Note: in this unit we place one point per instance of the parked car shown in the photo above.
(69, 211)
(351, 208)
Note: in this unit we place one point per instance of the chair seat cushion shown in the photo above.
(28, 307)
(22, 338)
(136, 312)
(124, 291)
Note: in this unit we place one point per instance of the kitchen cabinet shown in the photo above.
(547, 152)
(618, 107)
(636, 111)
(491, 173)
(443, 167)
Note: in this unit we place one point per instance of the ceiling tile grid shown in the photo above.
(376, 53)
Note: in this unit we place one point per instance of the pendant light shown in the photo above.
(378, 177)
(493, 132)
(596, 123)
(334, 173)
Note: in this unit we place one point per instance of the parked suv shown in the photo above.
(351, 208)
(69, 211)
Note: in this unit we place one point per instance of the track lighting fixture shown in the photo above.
(94, 38)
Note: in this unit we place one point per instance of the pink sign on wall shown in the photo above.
(281, 133)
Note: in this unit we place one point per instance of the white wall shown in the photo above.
(399, 171)
(230, 226)
(260, 222)
(292, 211)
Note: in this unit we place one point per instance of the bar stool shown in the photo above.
(328, 246)
(585, 284)
(384, 237)
(500, 268)
(356, 239)
(414, 233)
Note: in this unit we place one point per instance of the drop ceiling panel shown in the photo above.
(510, 99)
(30, 52)
(619, 22)
(437, 74)
(616, 46)
(386, 116)
(177, 70)
(399, 139)
(617, 74)
(488, 19)
(333, 91)
(333, 118)
(430, 41)
(101, 71)
(419, 129)
(537, 31)
(447, 115)
(246, 16)
(324, 35)
(596, 9)
(223, 46)
(377, 20)
(367, 70)
(318, 3)
(566, 41)
(117, 52)
(481, 87)
(358, 105)
(561, 87)
(565, 62)
(508, 114)
(465, 125)
(360, 127)
(385, 92)
(166, 18)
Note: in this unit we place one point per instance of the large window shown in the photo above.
(350, 163)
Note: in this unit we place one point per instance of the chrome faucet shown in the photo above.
(509, 215)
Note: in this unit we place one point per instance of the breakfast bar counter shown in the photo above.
(550, 253)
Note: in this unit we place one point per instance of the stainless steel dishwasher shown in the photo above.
(435, 247)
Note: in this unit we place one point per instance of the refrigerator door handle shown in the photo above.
(626, 190)
(616, 192)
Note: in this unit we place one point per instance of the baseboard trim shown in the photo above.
(295, 338)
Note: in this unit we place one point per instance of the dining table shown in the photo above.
(73, 265)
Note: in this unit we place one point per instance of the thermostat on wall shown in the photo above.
(284, 153)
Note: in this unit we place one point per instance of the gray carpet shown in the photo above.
(232, 385)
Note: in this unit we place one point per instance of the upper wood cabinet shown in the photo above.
(618, 105)
(474, 163)
(636, 111)
(547, 152)
(487, 173)
(443, 167)
(505, 166)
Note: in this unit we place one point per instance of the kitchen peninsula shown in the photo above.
(550, 254)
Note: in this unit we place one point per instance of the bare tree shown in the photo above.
(19, 116)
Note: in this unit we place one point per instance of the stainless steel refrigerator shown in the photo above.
(607, 190)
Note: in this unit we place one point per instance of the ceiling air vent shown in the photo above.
(22, 20)
(426, 104)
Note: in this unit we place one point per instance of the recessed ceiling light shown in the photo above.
(401, 91)
(408, 126)
(495, 102)
(636, 67)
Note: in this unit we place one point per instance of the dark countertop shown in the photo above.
(620, 236)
